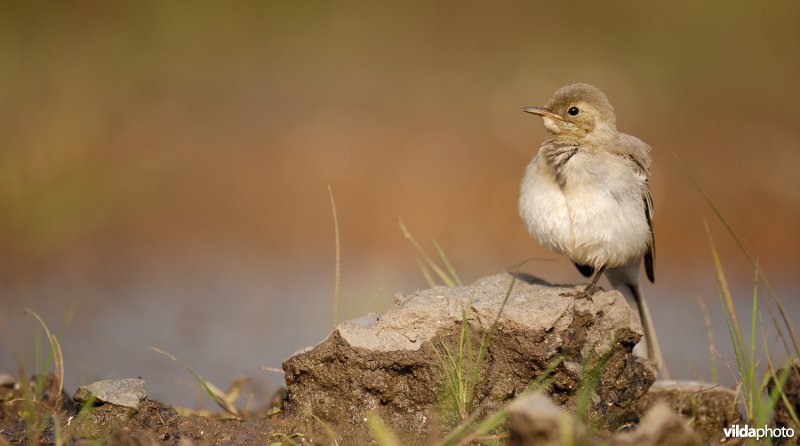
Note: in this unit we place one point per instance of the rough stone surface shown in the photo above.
(127, 392)
(710, 407)
(390, 363)
(534, 420)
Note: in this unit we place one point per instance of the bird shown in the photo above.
(586, 195)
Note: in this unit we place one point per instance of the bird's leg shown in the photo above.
(587, 292)
(591, 288)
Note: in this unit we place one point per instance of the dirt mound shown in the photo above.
(392, 364)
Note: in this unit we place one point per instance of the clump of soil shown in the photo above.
(785, 408)
(709, 407)
(154, 423)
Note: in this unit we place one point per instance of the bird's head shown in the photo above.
(577, 110)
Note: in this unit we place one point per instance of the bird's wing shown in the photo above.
(634, 147)
(650, 255)
(639, 153)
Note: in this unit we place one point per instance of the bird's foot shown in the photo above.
(585, 293)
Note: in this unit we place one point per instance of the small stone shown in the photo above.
(127, 392)
(6, 380)
(534, 420)
(659, 427)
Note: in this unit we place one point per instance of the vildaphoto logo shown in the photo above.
(736, 431)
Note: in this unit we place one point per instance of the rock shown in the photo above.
(127, 392)
(7, 380)
(791, 388)
(659, 427)
(534, 420)
(392, 363)
(710, 407)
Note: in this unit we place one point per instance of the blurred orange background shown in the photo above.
(164, 165)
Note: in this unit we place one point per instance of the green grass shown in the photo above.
(752, 384)
(57, 360)
(461, 369)
(589, 382)
(760, 274)
(462, 365)
(225, 400)
(759, 403)
(382, 434)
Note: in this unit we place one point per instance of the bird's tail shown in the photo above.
(628, 284)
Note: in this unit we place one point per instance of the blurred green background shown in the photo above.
(163, 165)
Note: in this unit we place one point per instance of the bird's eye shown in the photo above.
(573, 111)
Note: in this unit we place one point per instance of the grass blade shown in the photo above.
(487, 337)
(58, 357)
(731, 321)
(338, 260)
(487, 425)
(590, 382)
(743, 248)
(224, 401)
(712, 346)
(381, 432)
(447, 280)
(447, 263)
(736, 352)
(426, 273)
(778, 392)
(459, 431)
(545, 378)
(723, 283)
(751, 360)
(328, 430)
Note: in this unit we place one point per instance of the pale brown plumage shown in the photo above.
(586, 195)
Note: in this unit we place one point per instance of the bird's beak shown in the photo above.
(543, 112)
